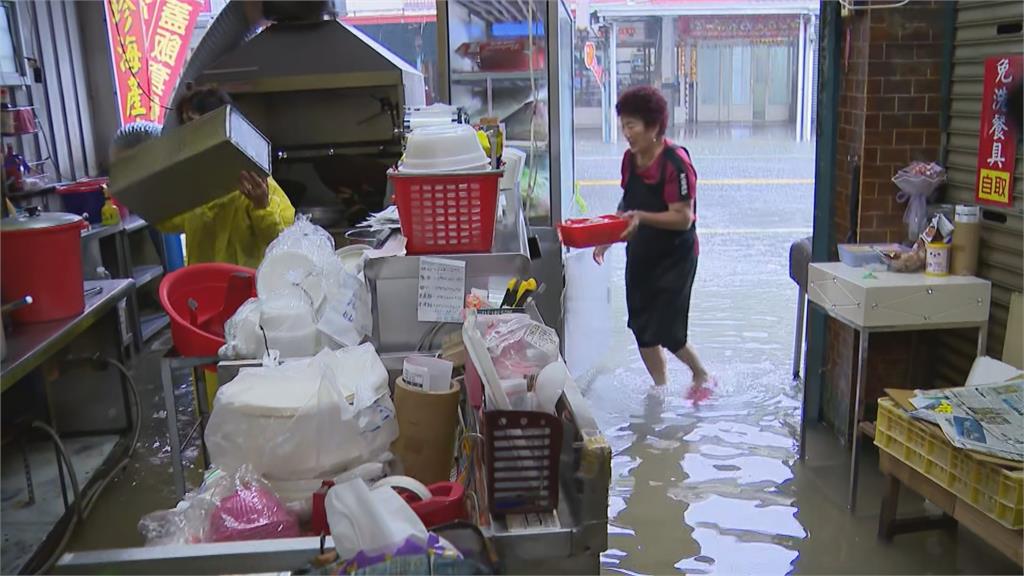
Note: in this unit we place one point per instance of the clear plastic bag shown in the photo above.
(346, 317)
(917, 182)
(306, 419)
(227, 507)
(519, 346)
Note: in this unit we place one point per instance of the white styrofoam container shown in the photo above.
(894, 299)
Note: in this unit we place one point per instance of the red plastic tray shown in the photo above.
(590, 232)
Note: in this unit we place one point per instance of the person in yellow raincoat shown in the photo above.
(238, 227)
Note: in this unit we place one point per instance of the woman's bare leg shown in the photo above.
(689, 357)
(655, 363)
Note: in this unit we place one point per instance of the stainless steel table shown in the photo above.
(28, 345)
(393, 281)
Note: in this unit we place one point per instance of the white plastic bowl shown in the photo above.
(443, 149)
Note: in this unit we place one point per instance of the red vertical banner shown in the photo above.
(997, 138)
(126, 26)
(171, 33)
(149, 41)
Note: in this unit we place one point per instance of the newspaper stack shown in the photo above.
(987, 418)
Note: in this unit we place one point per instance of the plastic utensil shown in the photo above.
(550, 384)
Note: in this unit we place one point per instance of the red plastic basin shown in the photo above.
(590, 232)
(217, 291)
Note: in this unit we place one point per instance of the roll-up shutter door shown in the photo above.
(983, 29)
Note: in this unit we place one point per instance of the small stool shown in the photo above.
(799, 259)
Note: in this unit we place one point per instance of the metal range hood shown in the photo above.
(311, 56)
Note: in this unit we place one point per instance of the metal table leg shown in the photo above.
(862, 377)
(798, 344)
(173, 441)
(983, 339)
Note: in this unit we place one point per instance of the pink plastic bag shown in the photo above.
(252, 512)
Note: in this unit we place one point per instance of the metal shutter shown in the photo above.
(983, 29)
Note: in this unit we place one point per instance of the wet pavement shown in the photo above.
(717, 488)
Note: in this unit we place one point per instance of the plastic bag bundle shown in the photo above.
(305, 419)
(227, 507)
(519, 346)
(308, 299)
(917, 182)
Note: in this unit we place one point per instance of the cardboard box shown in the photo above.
(189, 166)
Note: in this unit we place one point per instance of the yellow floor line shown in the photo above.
(721, 182)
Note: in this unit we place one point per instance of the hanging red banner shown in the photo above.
(149, 42)
(126, 29)
(997, 137)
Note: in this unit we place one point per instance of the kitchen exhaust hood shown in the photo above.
(320, 55)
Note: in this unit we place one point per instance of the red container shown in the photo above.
(511, 56)
(447, 213)
(41, 257)
(84, 197)
(215, 288)
(590, 232)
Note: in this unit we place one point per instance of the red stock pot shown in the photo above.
(41, 257)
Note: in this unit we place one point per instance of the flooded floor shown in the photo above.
(717, 488)
(709, 489)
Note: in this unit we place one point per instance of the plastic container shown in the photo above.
(590, 232)
(449, 213)
(84, 197)
(208, 285)
(996, 491)
(521, 452)
(451, 148)
(861, 255)
(41, 257)
(937, 259)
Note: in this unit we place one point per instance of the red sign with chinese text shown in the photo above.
(997, 138)
(149, 41)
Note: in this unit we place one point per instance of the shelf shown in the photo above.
(540, 75)
(134, 223)
(153, 323)
(145, 274)
(97, 231)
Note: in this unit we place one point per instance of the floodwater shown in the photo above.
(717, 488)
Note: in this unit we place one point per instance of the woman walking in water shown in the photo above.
(659, 198)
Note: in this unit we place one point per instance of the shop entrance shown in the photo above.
(744, 82)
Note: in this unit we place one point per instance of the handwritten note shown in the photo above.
(442, 290)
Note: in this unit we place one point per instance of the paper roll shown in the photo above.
(966, 239)
(427, 422)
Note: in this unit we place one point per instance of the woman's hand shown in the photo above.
(599, 253)
(634, 223)
(254, 188)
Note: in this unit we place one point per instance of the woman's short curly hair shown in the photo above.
(645, 103)
(201, 100)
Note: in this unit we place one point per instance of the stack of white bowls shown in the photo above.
(450, 148)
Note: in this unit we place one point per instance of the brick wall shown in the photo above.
(889, 114)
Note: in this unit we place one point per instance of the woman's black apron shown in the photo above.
(660, 265)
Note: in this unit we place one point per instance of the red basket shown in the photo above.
(589, 232)
(521, 451)
(447, 213)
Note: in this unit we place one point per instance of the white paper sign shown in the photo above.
(442, 290)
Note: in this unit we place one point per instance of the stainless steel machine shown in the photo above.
(331, 101)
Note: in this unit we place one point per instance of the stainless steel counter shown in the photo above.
(28, 345)
(394, 281)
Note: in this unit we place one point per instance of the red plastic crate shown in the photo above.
(589, 232)
(447, 213)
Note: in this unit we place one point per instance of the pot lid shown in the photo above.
(35, 220)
